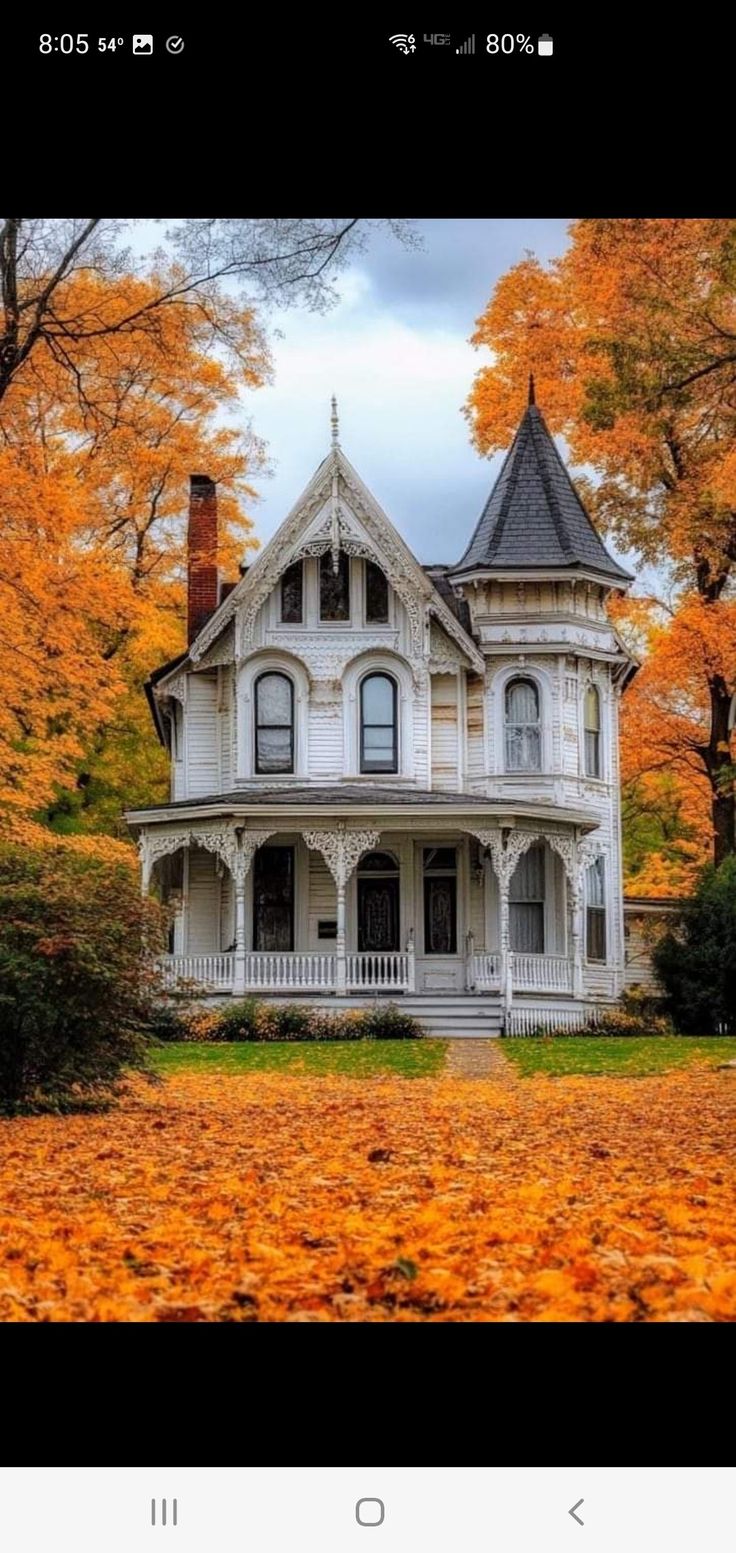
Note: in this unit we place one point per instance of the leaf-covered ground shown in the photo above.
(230, 1196)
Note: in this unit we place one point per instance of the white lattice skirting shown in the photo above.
(530, 1020)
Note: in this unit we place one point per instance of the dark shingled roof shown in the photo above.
(340, 793)
(534, 517)
(439, 577)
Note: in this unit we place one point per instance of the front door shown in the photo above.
(378, 915)
(440, 967)
(273, 899)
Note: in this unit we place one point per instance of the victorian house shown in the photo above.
(396, 779)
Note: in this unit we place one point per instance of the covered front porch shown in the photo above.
(439, 904)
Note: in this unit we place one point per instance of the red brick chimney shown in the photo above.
(202, 575)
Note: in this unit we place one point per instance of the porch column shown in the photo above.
(411, 962)
(239, 966)
(577, 935)
(341, 959)
(250, 841)
(573, 858)
(341, 849)
(505, 854)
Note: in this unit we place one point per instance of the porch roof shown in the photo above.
(306, 801)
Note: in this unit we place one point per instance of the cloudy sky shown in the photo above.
(395, 352)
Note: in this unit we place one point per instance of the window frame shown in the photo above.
(592, 733)
(539, 902)
(599, 913)
(292, 567)
(522, 679)
(325, 559)
(382, 770)
(383, 620)
(258, 725)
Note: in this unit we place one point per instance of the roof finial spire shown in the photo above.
(532, 398)
(335, 422)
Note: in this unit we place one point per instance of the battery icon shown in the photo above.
(544, 44)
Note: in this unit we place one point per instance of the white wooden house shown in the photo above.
(390, 778)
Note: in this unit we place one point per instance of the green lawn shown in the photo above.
(631, 1055)
(410, 1059)
(557, 1055)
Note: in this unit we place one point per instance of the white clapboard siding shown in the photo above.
(225, 731)
(201, 723)
(639, 971)
(444, 731)
(476, 751)
(204, 903)
(420, 736)
(227, 910)
(326, 737)
(322, 901)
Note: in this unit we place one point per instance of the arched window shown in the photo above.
(379, 744)
(592, 732)
(595, 911)
(523, 730)
(274, 723)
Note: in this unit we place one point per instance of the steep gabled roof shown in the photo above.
(336, 482)
(534, 518)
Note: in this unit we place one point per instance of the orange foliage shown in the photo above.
(629, 336)
(94, 468)
(268, 1197)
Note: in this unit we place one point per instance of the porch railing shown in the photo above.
(294, 972)
(387, 972)
(214, 972)
(541, 973)
(485, 972)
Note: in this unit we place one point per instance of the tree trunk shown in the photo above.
(720, 771)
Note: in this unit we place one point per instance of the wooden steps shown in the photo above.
(458, 1015)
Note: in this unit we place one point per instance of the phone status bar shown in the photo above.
(493, 43)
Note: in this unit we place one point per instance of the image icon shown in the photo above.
(143, 43)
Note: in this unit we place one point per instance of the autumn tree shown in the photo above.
(269, 259)
(117, 379)
(632, 339)
(93, 482)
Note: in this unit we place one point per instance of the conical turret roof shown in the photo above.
(534, 518)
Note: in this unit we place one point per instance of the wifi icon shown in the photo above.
(404, 41)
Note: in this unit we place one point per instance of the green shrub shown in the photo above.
(167, 1021)
(625, 1021)
(696, 961)
(389, 1022)
(235, 1022)
(253, 1021)
(75, 940)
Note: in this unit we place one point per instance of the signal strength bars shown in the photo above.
(468, 47)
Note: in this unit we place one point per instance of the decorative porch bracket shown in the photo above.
(341, 849)
(220, 839)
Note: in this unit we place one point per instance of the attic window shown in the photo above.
(376, 594)
(292, 591)
(334, 588)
